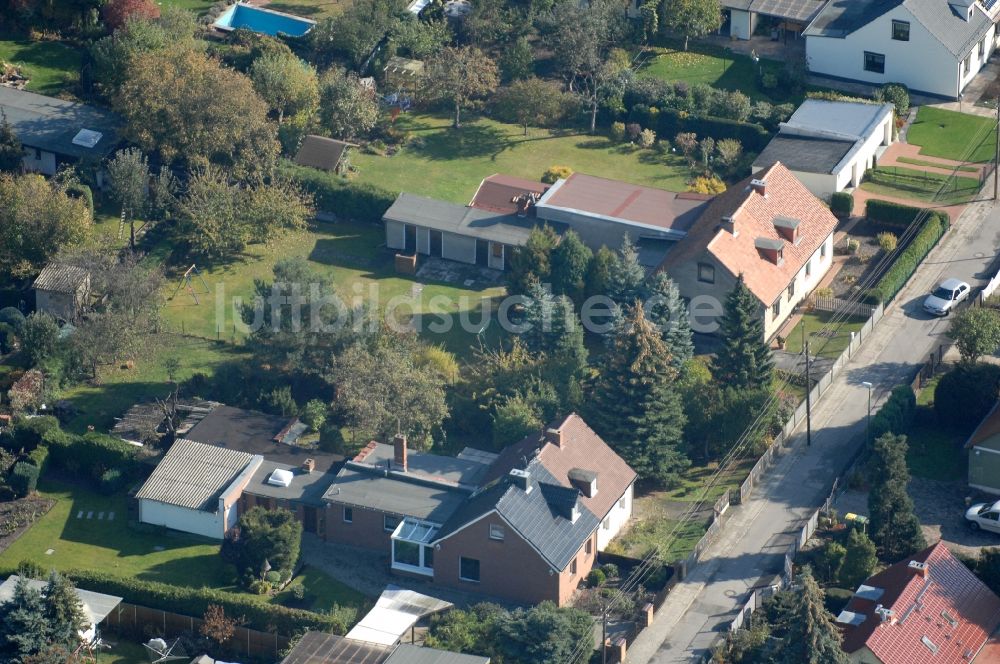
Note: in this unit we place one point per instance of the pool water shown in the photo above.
(264, 21)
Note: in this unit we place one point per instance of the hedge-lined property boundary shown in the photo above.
(669, 122)
(337, 195)
(896, 414)
(906, 263)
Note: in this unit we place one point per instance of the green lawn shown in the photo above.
(935, 452)
(123, 652)
(951, 135)
(314, 9)
(51, 66)
(652, 533)
(694, 478)
(449, 164)
(921, 185)
(829, 345)
(349, 252)
(934, 164)
(714, 66)
(158, 555)
(196, 6)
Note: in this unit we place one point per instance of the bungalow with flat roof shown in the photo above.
(828, 145)
(55, 132)
(742, 18)
(770, 229)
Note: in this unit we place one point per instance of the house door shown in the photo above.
(436, 243)
(410, 239)
(482, 253)
(309, 519)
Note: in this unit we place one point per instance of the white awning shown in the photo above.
(395, 612)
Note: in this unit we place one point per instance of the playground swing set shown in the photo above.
(187, 281)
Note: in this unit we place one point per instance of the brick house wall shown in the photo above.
(366, 530)
(511, 568)
(317, 515)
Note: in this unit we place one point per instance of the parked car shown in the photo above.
(985, 516)
(946, 297)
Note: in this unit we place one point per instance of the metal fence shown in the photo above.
(837, 306)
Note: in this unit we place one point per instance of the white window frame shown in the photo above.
(348, 514)
(497, 532)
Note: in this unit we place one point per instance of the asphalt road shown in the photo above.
(752, 545)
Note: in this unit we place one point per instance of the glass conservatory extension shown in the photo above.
(412, 550)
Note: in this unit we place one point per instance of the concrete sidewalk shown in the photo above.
(751, 547)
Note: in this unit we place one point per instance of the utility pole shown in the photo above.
(604, 632)
(996, 155)
(809, 429)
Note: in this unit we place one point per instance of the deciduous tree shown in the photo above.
(11, 150)
(39, 337)
(288, 84)
(216, 625)
(459, 76)
(128, 175)
(532, 263)
(976, 332)
(347, 108)
(356, 32)
(569, 262)
(744, 360)
(691, 18)
(530, 101)
(117, 12)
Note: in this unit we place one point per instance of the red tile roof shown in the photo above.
(499, 193)
(622, 200)
(581, 448)
(754, 216)
(950, 611)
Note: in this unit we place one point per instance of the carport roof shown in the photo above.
(52, 124)
(801, 11)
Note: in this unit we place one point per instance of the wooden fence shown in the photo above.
(140, 621)
(838, 306)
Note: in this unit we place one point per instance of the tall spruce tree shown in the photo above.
(63, 611)
(636, 408)
(860, 561)
(744, 361)
(895, 528)
(556, 332)
(627, 274)
(810, 635)
(666, 309)
(11, 150)
(23, 627)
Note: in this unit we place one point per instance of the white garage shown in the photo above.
(196, 488)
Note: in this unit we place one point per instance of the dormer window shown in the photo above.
(771, 249)
(788, 228)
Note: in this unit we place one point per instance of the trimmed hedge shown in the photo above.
(193, 602)
(669, 122)
(27, 433)
(965, 394)
(338, 195)
(23, 478)
(39, 457)
(842, 203)
(90, 454)
(906, 263)
(896, 414)
(891, 214)
(84, 193)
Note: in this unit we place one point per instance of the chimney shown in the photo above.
(554, 436)
(885, 615)
(309, 465)
(728, 224)
(922, 570)
(521, 479)
(399, 451)
(759, 186)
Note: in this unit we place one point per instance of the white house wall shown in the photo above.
(39, 161)
(616, 519)
(184, 519)
(458, 248)
(803, 286)
(923, 63)
(395, 235)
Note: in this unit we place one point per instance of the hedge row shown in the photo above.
(906, 263)
(896, 414)
(842, 203)
(90, 454)
(891, 214)
(337, 195)
(193, 602)
(669, 122)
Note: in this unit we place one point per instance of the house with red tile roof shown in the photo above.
(770, 229)
(926, 608)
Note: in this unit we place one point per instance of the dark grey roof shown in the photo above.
(459, 219)
(432, 467)
(194, 475)
(60, 278)
(805, 154)
(538, 515)
(321, 152)
(842, 17)
(306, 488)
(406, 653)
(802, 11)
(370, 489)
(323, 648)
(51, 124)
(139, 421)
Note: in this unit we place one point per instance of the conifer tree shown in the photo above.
(598, 279)
(627, 274)
(570, 260)
(744, 361)
(810, 635)
(23, 627)
(63, 610)
(532, 263)
(636, 408)
(555, 331)
(666, 309)
(894, 526)
(860, 561)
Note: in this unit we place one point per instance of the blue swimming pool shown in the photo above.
(264, 21)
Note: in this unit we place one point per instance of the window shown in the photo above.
(406, 553)
(776, 308)
(606, 524)
(572, 567)
(496, 532)
(874, 62)
(706, 273)
(982, 49)
(389, 523)
(348, 515)
(809, 267)
(966, 64)
(822, 250)
(621, 503)
(497, 249)
(901, 30)
(791, 290)
(468, 569)
(589, 547)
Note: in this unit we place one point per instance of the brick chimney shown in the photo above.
(728, 224)
(309, 465)
(922, 570)
(554, 436)
(759, 186)
(399, 451)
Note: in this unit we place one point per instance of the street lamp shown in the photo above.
(868, 423)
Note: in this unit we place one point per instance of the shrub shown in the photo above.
(887, 241)
(90, 454)
(647, 138)
(39, 457)
(853, 245)
(891, 214)
(265, 535)
(554, 173)
(633, 129)
(29, 569)
(299, 592)
(12, 316)
(707, 185)
(830, 561)
(617, 132)
(273, 577)
(28, 433)
(965, 394)
(83, 192)
(896, 414)
(596, 578)
(23, 478)
(769, 80)
(337, 195)
(896, 94)
(610, 570)
(906, 263)
(842, 203)
(111, 481)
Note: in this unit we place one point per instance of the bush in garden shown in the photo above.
(596, 578)
(706, 185)
(965, 394)
(647, 138)
(896, 94)
(23, 478)
(554, 173)
(887, 241)
(896, 414)
(633, 129)
(112, 481)
(610, 570)
(617, 132)
(842, 203)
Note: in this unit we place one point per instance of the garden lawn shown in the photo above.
(832, 343)
(449, 164)
(934, 164)
(51, 66)
(155, 554)
(921, 185)
(951, 135)
(935, 452)
(123, 652)
(196, 6)
(314, 9)
(693, 480)
(659, 533)
(346, 250)
(720, 68)
(98, 404)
